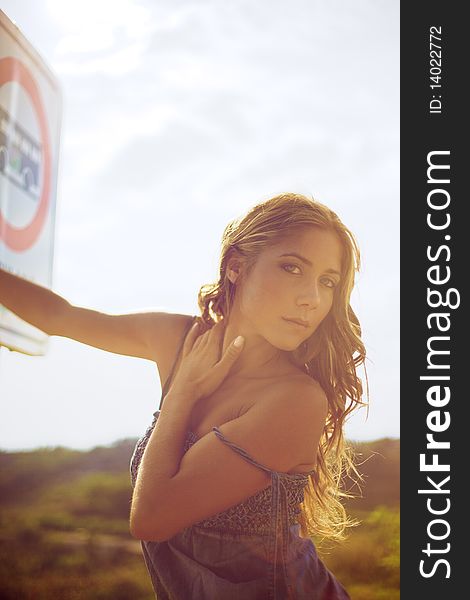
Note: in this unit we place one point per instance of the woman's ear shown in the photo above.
(234, 268)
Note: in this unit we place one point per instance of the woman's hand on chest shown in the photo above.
(203, 365)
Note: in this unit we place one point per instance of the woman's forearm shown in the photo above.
(161, 460)
(31, 302)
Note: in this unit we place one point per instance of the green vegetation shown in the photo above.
(64, 527)
(368, 562)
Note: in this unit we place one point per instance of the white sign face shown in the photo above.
(30, 111)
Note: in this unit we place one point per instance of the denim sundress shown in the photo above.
(252, 551)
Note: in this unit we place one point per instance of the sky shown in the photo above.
(179, 116)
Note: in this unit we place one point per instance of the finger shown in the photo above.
(190, 338)
(230, 356)
(217, 329)
(208, 335)
(204, 335)
(214, 338)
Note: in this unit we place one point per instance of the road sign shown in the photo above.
(30, 111)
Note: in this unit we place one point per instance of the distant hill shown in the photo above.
(24, 474)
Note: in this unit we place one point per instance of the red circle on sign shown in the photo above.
(19, 239)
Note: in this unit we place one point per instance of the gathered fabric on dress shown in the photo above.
(251, 551)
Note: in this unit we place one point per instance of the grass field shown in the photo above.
(64, 527)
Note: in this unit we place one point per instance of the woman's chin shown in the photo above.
(288, 346)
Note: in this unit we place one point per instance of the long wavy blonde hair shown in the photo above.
(330, 356)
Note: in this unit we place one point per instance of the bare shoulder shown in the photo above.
(166, 327)
(283, 429)
(303, 393)
(302, 405)
(165, 332)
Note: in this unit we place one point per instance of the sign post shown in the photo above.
(30, 112)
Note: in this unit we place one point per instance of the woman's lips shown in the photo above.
(300, 325)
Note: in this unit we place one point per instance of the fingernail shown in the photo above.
(239, 341)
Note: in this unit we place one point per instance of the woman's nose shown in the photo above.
(310, 297)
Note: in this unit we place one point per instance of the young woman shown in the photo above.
(243, 460)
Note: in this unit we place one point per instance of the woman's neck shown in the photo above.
(258, 359)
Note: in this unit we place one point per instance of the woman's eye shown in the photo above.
(286, 267)
(289, 267)
(331, 283)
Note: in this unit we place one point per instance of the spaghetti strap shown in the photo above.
(166, 385)
(253, 461)
(250, 550)
(239, 450)
(279, 511)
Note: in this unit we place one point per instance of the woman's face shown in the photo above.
(294, 279)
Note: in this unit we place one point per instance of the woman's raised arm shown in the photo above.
(140, 334)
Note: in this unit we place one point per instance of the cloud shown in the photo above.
(178, 116)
